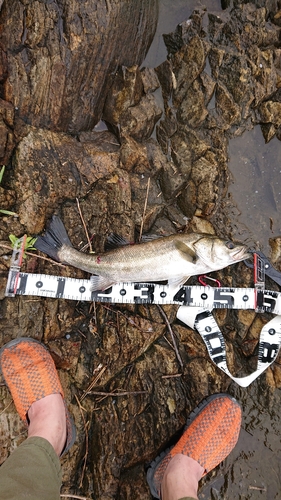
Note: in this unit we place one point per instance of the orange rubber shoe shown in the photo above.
(30, 373)
(210, 434)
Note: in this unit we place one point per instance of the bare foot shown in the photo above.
(181, 478)
(47, 420)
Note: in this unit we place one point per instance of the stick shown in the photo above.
(85, 227)
(9, 404)
(94, 381)
(257, 488)
(144, 208)
(132, 393)
(86, 441)
(171, 333)
(69, 495)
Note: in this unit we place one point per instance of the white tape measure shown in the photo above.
(196, 304)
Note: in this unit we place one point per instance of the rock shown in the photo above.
(270, 112)
(199, 225)
(104, 141)
(139, 121)
(6, 131)
(7, 198)
(215, 58)
(143, 189)
(181, 153)
(149, 80)
(61, 58)
(56, 160)
(184, 32)
(166, 129)
(209, 85)
(187, 199)
(133, 155)
(264, 73)
(192, 141)
(188, 63)
(275, 251)
(226, 107)
(171, 181)
(193, 111)
(126, 91)
(204, 174)
(166, 78)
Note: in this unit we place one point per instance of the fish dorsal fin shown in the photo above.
(150, 237)
(114, 240)
(186, 252)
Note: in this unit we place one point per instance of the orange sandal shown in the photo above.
(210, 434)
(30, 373)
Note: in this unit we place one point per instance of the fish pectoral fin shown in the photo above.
(186, 252)
(100, 283)
(177, 282)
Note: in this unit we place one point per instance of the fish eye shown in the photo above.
(230, 245)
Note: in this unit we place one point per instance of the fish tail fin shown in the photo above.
(53, 239)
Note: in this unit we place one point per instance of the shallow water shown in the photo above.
(255, 187)
(252, 471)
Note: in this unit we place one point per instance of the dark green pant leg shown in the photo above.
(32, 471)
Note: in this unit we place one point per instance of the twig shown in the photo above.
(69, 495)
(171, 333)
(94, 381)
(3, 411)
(128, 393)
(172, 376)
(144, 208)
(257, 488)
(86, 441)
(85, 227)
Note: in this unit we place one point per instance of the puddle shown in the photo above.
(255, 187)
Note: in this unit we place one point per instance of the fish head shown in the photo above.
(218, 253)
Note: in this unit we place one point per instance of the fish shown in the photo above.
(172, 258)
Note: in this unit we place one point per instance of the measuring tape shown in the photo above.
(196, 304)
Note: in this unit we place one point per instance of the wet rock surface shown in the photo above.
(123, 381)
(59, 58)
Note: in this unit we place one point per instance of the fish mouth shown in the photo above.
(242, 254)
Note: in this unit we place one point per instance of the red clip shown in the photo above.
(202, 282)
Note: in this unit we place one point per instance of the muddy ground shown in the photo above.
(81, 121)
